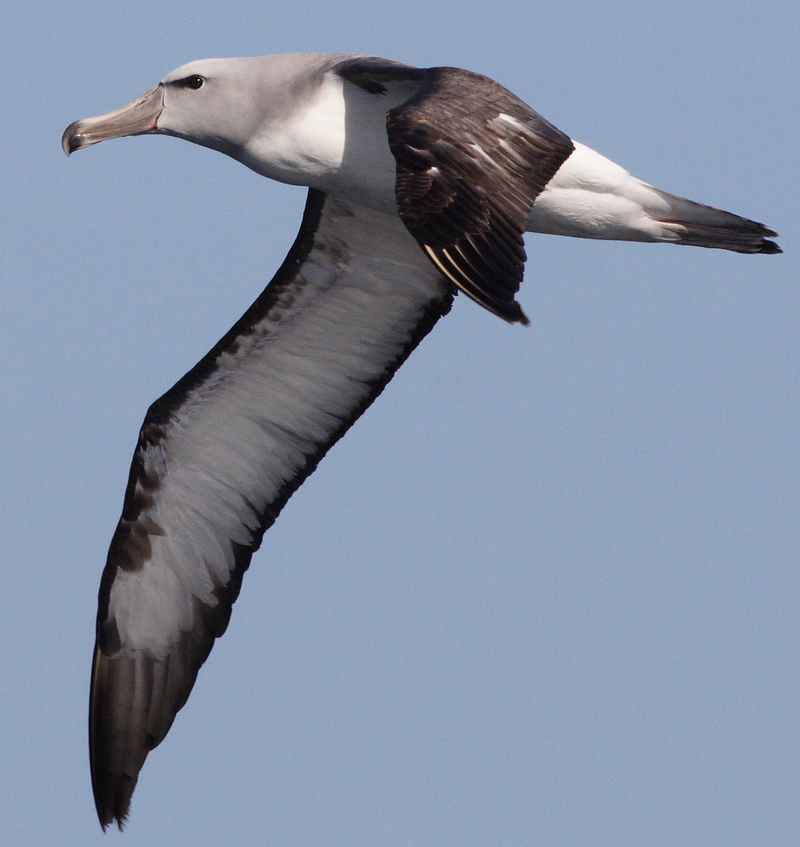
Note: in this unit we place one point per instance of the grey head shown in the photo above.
(218, 103)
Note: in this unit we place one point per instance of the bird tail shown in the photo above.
(591, 197)
(704, 226)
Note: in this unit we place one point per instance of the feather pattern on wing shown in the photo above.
(471, 160)
(223, 450)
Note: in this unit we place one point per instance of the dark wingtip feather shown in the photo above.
(134, 700)
(111, 783)
(516, 315)
(770, 247)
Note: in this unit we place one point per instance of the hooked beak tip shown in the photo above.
(137, 118)
(71, 140)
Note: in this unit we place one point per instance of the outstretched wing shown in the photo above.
(223, 450)
(471, 159)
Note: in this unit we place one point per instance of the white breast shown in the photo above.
(336, 142)
(307, 146)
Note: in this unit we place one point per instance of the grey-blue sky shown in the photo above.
(546, 590)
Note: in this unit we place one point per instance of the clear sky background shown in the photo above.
(546, 591)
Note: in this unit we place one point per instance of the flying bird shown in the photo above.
(421, 184)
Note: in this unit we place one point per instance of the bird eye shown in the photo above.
(194, 81)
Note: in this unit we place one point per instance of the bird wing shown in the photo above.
(471, 159)
(223, 450)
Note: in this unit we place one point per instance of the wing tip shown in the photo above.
(112, 787)
(108, 816)
(518, 316)
(134, 699)
(506, 308)
(770, 248)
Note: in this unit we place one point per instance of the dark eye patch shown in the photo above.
(194, 82)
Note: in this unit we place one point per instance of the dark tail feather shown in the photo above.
(705, 226)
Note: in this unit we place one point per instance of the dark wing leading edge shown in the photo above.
(223, 450)
(471, 160)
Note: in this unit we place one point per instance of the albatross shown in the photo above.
(421, 184)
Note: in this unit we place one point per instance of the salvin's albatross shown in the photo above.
(422, 182)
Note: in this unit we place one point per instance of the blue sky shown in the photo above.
(546, 590)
